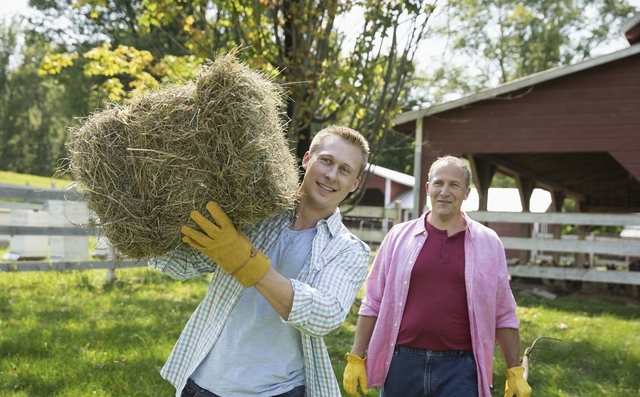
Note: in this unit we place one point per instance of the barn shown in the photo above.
(573, 131)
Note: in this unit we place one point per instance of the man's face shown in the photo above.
(331, 173)
(447, 190)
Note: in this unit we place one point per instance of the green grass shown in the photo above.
(14, 178)
(70, 334)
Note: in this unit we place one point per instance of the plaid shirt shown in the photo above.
(323, 294)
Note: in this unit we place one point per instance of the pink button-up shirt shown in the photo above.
(489, 298)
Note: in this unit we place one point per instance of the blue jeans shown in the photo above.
(428, 373)
(192, 389)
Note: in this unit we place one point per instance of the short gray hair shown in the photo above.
(455, 161)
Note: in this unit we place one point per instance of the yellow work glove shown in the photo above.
(355, 373)
(516, 384)
(228, 247)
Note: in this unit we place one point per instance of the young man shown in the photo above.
(276, 291)
(437, 299)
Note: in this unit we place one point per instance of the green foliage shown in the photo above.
(35, 109)
(502, 180)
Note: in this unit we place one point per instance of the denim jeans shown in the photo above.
(427, 373)
(192, 389)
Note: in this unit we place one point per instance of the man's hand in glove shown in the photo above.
(355, 374)
(516, 384)
(228, 247)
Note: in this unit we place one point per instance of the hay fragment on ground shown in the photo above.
(147, 164)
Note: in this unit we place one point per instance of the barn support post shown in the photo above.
(482, 172)
(417, 169)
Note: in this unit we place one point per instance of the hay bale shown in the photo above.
(147, 164)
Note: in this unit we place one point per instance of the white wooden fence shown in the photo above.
(591, 246)
(40, 196)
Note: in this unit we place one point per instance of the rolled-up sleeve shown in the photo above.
(322, 305)
(183, 263)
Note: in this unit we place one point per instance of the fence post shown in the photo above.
(398, 205)
(111, 255)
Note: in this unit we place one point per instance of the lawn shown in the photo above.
(71, 334)
(13, 178)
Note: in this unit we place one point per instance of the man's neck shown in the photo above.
(452, 225)
(306, 217)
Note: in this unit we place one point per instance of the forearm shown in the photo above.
(509, 342)
(277, 291)
(364, 330)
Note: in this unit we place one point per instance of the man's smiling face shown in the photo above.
(331, 173)
(447, 190)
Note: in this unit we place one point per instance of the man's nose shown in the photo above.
(331, 173)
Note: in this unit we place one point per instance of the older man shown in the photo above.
(437, 299)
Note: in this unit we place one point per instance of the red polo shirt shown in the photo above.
(436, 316)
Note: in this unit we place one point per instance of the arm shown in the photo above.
(329, 301)
(278, 292)
(355, 373)
(509, 342)
(322, 304)
(364, 330)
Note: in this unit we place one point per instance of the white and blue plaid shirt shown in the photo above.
(323, 294)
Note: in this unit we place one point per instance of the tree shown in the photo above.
(34, 111)
(328, 80)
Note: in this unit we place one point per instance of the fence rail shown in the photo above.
(83, 230)
(590, 246)
(27, 266)
(43, 195)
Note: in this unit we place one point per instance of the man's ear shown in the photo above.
(356, 183)
(305, 160)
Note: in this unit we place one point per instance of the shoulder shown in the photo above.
(414, 226)
(344, 237)
(478, 230)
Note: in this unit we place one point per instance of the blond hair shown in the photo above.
(350, 135)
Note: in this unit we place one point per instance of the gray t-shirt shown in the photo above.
(257, 353)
